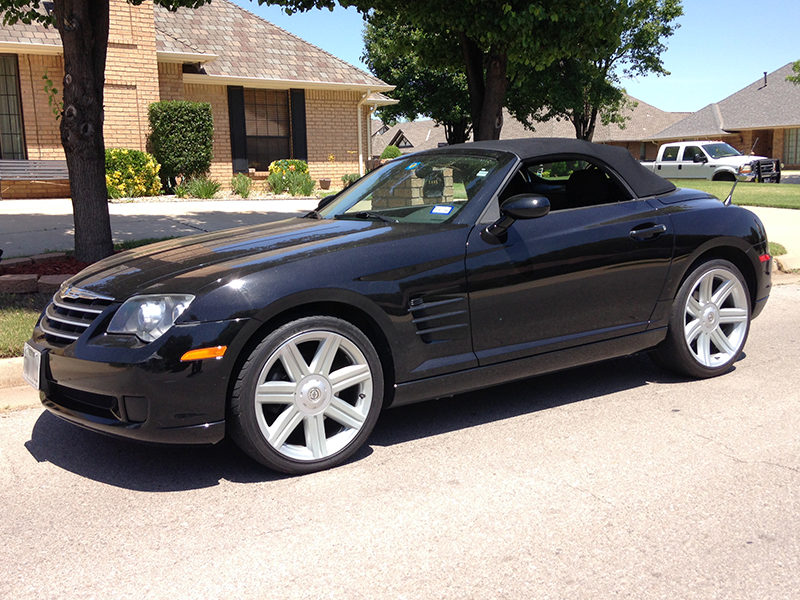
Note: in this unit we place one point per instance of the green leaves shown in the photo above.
(181, 138)
(56, 105)
(795, 78)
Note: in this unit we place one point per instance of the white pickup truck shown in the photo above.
(717, 161)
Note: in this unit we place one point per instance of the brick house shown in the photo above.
(768, 110)
(272, 94)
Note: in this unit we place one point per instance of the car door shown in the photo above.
(667, 166)
(574, 276)
(688, 168)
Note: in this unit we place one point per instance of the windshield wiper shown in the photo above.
(368, 215)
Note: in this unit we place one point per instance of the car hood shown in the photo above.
(191, 263)
(739, 160)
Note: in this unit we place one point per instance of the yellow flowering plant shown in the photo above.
(131, 173)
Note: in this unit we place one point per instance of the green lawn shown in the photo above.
(18, 315)
(748, 194)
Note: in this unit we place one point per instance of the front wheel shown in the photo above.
(709, 322)
(724, 176)
(308, 396)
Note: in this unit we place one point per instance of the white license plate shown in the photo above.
(31, 365)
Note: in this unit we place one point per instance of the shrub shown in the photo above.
(391, 152)
(181, 137)
(241, 185)
(202, 187)
(277, 182)
(300, 184)
(349, 178)
(290, 175)
(131, 173)
(288, 164)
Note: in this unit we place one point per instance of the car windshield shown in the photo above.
(721, 150)
(430, 188)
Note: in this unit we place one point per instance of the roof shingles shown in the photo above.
(250, 47)
(768, 105)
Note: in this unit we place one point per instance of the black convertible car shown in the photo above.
(438, 273)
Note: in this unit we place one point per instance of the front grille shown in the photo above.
(767, 167)
(71, 313)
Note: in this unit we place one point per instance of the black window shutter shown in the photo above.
(238, 132)
(299, 142)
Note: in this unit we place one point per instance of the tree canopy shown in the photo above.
(796, 77)
(398, 53)
(589, 91)
(489, 37)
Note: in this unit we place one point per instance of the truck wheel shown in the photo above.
(724, 177)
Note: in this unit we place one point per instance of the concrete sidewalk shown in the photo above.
(30, 227)
(783, 227)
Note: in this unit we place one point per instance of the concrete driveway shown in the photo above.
(614, 480)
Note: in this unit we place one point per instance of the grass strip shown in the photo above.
(748, 194)
(18, 316)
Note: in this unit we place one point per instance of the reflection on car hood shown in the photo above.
(214, 255)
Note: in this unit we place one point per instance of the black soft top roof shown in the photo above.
(642, 181)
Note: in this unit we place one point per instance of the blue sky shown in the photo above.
(721, 46)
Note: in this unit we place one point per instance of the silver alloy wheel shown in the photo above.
(716, 318)
(313, 395)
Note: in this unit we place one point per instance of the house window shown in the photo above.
(12, 143)
(791, 147)
(266, 126)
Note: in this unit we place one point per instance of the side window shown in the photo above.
(690, 152)
(567, 183)
(670, 153)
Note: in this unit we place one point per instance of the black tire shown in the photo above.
(321, 393)
(709, 322)
(725, 177)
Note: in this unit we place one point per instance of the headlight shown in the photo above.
(148, 317)
(746, 169)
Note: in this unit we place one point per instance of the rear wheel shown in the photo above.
(308, 396)
(709, 322)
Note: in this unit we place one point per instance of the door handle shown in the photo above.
(648, 233)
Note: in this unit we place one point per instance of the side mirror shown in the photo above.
(700, 158)
(521, 206)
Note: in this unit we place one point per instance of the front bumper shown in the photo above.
(121, 387)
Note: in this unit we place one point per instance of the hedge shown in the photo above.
(181, 138)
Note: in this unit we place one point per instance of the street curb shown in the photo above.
(11, 373)
(787, 263)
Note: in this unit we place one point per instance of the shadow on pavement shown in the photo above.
(24, 235)
(149, 468)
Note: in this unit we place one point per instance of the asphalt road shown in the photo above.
(614, 480)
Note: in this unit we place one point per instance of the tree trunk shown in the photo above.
(457, 132)
(487, 90)
(83, 25)
(491, 120)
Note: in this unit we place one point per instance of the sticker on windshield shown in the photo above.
(482, 173)
(412, 166)
(441, 210)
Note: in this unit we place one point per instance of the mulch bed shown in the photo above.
(59, 266)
